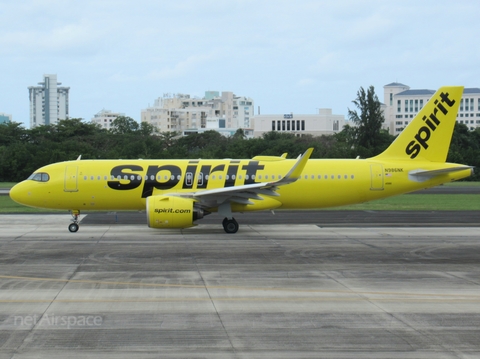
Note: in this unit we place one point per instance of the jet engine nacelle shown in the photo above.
(171, 212)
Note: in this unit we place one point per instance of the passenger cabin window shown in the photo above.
(39, 177)
(189, 179)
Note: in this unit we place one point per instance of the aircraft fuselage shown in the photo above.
(125, 184)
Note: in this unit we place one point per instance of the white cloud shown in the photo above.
(63, 38)
(181, 68)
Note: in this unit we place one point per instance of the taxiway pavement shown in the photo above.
(324, 218)
(280, 290)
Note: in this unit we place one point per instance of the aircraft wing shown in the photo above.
(243, 194)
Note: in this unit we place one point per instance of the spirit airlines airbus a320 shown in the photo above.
(176, 193)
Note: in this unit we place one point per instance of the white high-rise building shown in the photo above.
(48, 102)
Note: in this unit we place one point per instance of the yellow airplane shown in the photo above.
(176, 193)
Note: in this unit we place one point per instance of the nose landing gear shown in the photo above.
(73, 227)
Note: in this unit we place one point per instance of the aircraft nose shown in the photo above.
(18, 193)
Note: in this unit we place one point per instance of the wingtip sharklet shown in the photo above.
(297, 169)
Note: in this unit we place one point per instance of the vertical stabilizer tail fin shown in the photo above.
(428, 136)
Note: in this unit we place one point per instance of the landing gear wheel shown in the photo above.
(73, 227)
(230, 225)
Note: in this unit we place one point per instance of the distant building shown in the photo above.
(323, 123)
(104, 118)
(48, 102)
(181, 112)
(4, 118)
(403, 103)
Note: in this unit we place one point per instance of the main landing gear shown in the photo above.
(73, 227)
(230, 225)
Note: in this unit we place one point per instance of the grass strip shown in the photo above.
(406, 202)
(7, 185)
(7, 205)
(424, 202)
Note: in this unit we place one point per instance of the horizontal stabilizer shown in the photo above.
(433, 173)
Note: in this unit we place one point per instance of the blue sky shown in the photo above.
(289, 56)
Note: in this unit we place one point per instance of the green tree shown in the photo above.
(12, 132)
(16, 153)
(465, 148)
(209, 144)
(146, 129)
(168, 138)
(239, 134)
(74, 127)
(124, 125)
(368, 138)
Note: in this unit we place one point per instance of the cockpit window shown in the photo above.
(39, 177)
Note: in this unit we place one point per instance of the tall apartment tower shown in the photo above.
(48, 102)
